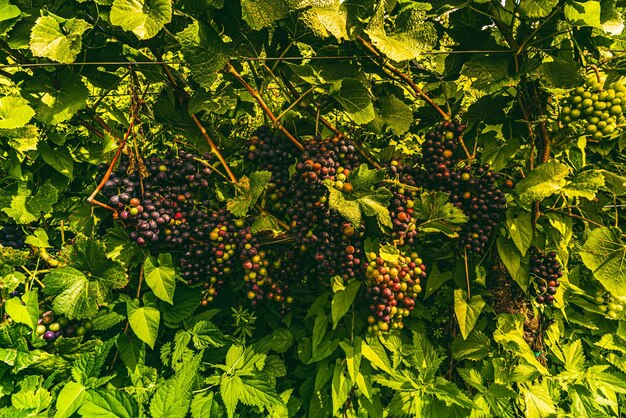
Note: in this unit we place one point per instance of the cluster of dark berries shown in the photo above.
(157, 204)
(392, 287)
(475, 191)
(51, 326)
(547, 271)
(273, 152)
(401, 204)
(11, 235)
(439, 153)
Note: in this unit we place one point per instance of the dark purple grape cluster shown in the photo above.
(392, 287)
(158, 204)
(51, 326)
(438, 152)
(12, 235)
(475, 191)
(271, 151)
(547, 271)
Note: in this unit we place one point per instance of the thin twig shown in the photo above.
(231, 70)
(469, 296)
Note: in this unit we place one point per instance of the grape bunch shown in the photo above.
(157, 204)
(546, 270)
(392, 287)
(273, 152)
(612, 305)
(438, 153)
(475, 191)
(12, 235)
(401, 204)
(599, 111)
(51, 326)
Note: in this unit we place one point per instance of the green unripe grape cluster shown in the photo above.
(598, 110)
(612, 306)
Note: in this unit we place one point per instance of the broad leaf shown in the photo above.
(248, 191)
(343, 299)
(604, 253)
(517, 267)
(545, 180)
(355, 99)
(57, 38)
(145, 18)
(60, 159)
(583, 13)
(261, 14)
(162, 277)
(172, 399)
(520, 228)
(467, 312)
(539, 403)
(71, 397)
(109, 403)
(585, 184)
(537, 8)
(144, 321)
(14, 112)
(24, 310)
(434, 213)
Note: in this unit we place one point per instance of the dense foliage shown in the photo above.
(312, 208)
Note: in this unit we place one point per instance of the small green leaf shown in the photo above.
(537, 8)
(161, 278)
(585, 184)
(38, 239)
(261, 14)
(14, 112)
(545, 180)
(329, 20)
(8, 11)
(145, 18)
(109, 403)
(24, 310)
(204, 405)
(144, 321)
(71, 397)
(519, 223)
(539, 403)
(60, 159)
(435, 280)
(467, 312)
(583, 13)
(248, 191)
(434, 213)
(343, 299)
(57, 99)
(57, 38)
(517, 268)
(131, 351)
(475, 346)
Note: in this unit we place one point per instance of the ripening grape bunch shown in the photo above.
(11, 235)
(51, 326)
(439, 153)
(392, 287)
(598, 110)
(546, 271)
(612, 305)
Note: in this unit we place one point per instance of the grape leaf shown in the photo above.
(21, 139)
(56, 99)
(162, 277)
(145, 18)
(583, 14)
(261, 14)
(25, 208)
(355, 100)
(520, 228)
(434, 213)
(24, 310)
(585, 184)
(14, 112)
(327, 21)
(8, 11)
(60, 159)
(248, 191)
(250, 392)
(604, 253)
(57, 38)
(539, 403)
(204, 52)
(517, 268)
(395, 114)
(543, 181)
(144, 320)
(537, 8)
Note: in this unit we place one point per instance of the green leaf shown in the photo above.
(436, 214)
(488, 74)
(614, 183)
(519, 223)
(71, 397)
(539, 403)
(355, 100)
(604, 253)
(109, 403)
(260, 14)
(204, 405)
(145, 18)
(57, 38)
(60, 159)
(24, 310)
(21, 139)
(131, 351)
(611, 18)
(516, 266)
(585, 184)
(395, 114)
(248, 191)
(161, 278)
(475, 347)
(340, 388)
(8, 11)
(377, 357)
(33, 399)
(38, 239)
(326, 21)
(14, 112)
(251, 392)
(343, 299)
(57, 100)
(144, 321)
(172, 399)
(467, 312)
(559, 74)
(204, 52)
(435, 280)
(510, 335)
(537, 8)
(583, 13)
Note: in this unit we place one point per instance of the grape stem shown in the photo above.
(415, 90)
(231, 70)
